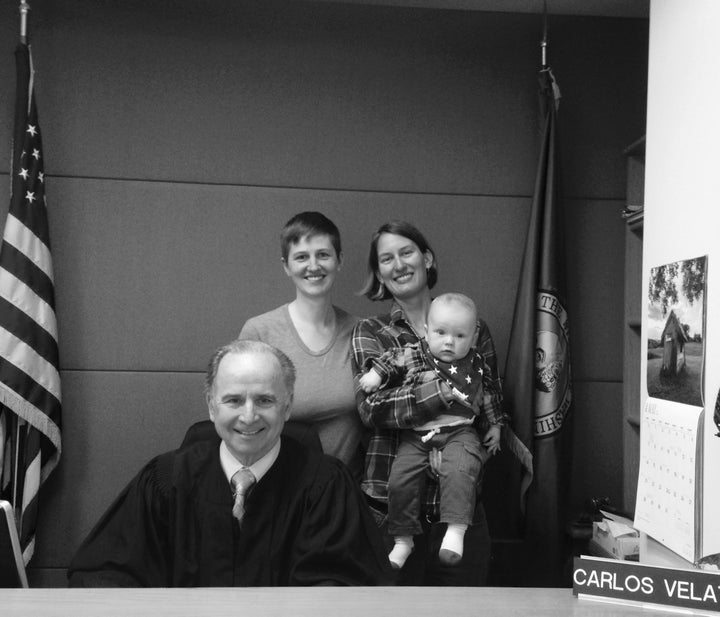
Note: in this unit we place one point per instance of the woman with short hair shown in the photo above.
(315, 334)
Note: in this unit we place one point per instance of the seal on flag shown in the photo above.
(552, 366)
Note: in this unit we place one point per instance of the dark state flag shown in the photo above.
(537, 385)
(29, 370)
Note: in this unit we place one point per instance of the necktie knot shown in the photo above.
(242, 480)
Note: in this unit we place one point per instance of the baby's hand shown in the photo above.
(428, 376)
(492, 439)
(459, 396)
(370, 381)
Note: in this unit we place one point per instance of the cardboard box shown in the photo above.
(615, 537)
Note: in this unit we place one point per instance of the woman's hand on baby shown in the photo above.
(492, 439)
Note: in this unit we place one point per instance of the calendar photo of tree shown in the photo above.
(676, 332)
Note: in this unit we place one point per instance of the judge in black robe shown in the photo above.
(305, 523)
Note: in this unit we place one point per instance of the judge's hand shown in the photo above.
(435, 458)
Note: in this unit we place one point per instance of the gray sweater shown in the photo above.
(324, 391)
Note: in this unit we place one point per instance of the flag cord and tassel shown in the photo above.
(24, 8)
(544, 66)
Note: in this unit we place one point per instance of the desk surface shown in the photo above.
(315, 602)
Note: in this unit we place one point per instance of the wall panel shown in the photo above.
(113, 423)
(328, 96)
(179, 136)
(155, 275)
(595, 277)
(597, 458)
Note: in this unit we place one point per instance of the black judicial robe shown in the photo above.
(305, 523)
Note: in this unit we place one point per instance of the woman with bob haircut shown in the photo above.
(403, 268)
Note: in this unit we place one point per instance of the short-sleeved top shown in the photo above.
(324, 391)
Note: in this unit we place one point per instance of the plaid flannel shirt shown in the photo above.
(402, 364)
(410, 404)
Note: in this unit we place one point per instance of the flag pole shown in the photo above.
(543, 43)
(17, 507)
(24, 8)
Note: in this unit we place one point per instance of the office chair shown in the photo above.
(12, 566)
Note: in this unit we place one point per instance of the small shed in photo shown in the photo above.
(673, 341)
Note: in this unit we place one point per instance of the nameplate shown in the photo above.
(635, 582)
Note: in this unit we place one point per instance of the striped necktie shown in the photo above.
(241, 482)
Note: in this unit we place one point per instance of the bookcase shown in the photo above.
(633, 214)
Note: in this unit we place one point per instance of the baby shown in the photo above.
(449, 350)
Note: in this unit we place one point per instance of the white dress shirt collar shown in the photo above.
(259, 468)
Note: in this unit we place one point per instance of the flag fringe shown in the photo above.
(523, 454)
(37, 420)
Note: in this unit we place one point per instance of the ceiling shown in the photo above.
(602, 8)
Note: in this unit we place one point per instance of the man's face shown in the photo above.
(249, 404)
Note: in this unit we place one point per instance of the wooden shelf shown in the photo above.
(634, 221)
(633, 213)
(633, 421)
(636, 148)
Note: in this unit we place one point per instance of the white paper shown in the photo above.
(665, 506)
(617, 525)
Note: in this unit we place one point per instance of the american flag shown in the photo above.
(30, 407)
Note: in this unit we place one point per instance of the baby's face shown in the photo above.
(450, 331)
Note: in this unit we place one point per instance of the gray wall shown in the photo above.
(180, 136)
